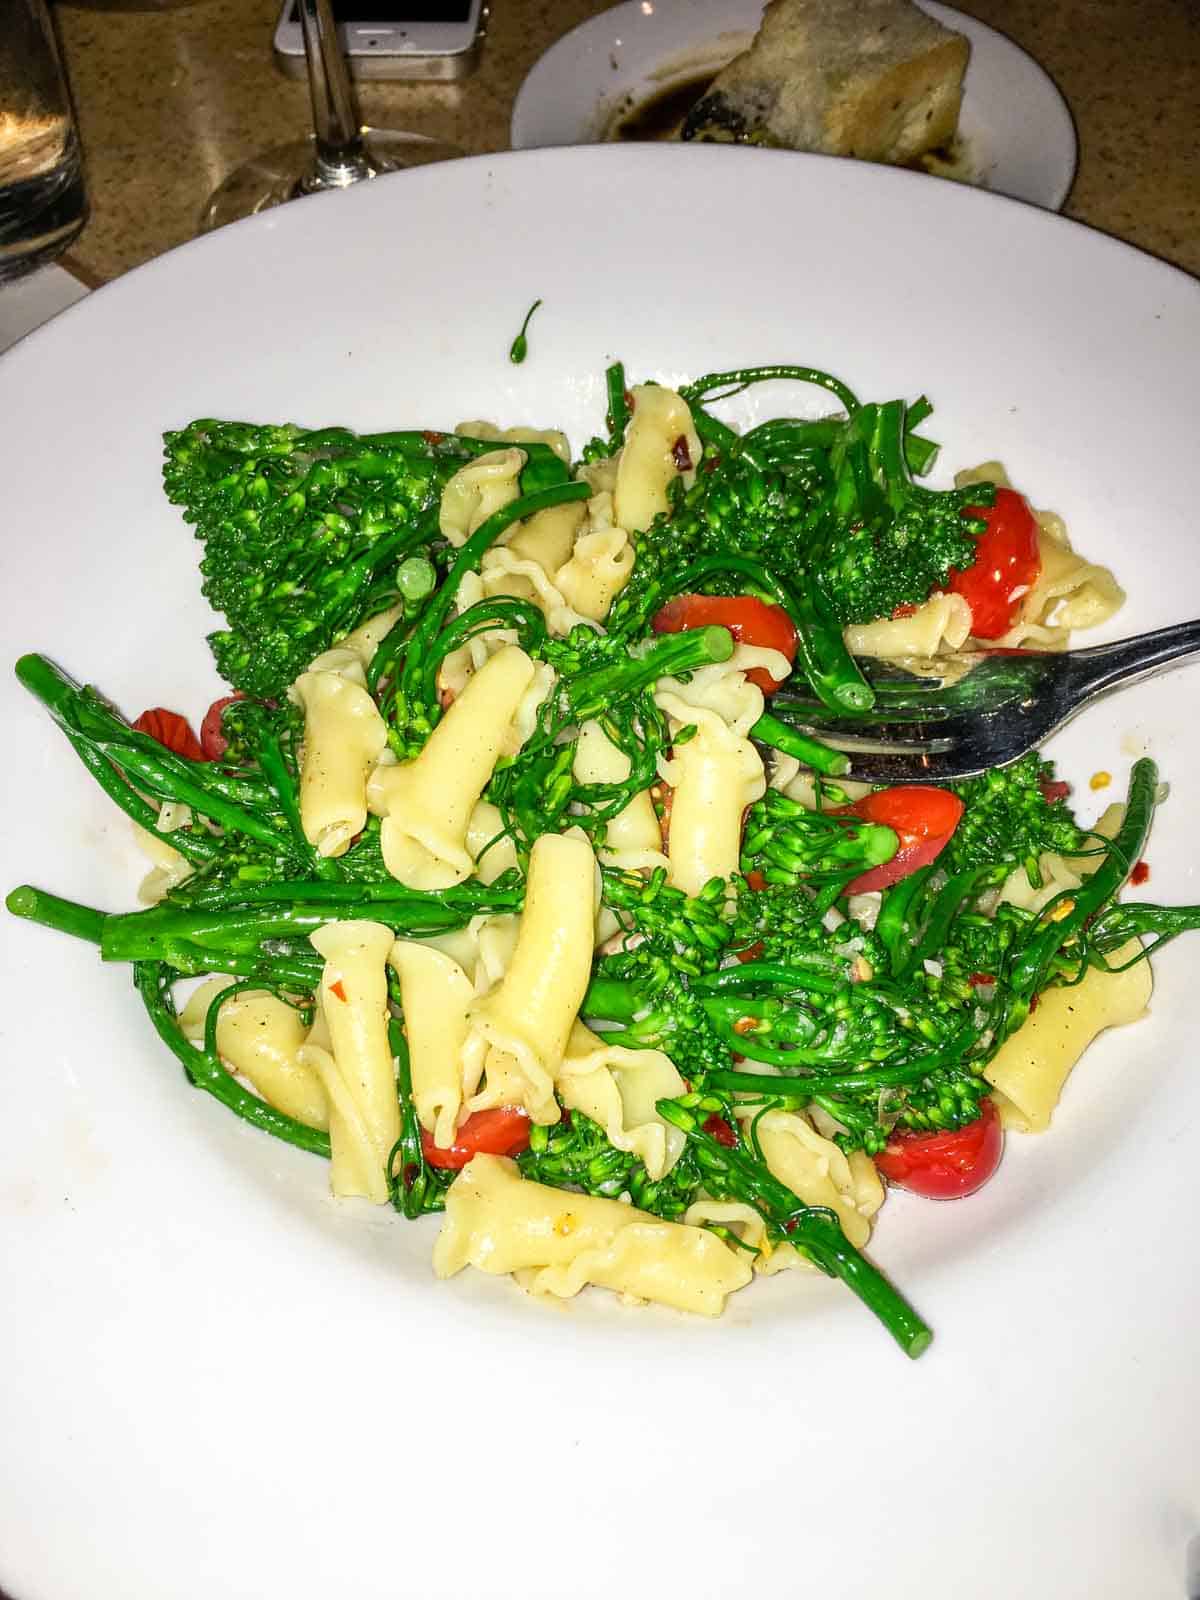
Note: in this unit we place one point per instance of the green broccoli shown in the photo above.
(1011, 815)
(303, 531)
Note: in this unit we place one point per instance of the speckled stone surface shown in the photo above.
(170, 101)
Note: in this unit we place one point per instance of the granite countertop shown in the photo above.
(170, 101)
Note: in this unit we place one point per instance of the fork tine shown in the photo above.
(817, 715)
(916, 738)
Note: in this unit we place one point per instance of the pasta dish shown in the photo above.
(508, 878)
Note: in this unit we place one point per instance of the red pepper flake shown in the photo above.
(717, 1128)
(1033, 1003)
(755, 880)
(980, 980)
(410, 1174)
(905, 610)
(431, 437)
(1140, 873)
(1054, 791)
(745, 1025)
(751, 952)
(629, 401)
(710, 463)
(336, 988)
(681, 455)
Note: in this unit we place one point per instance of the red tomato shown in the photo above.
(721, 1131)
(502, 1132)
(1006, 565)
(922, 816)
(212, 738)
(172, 731)
(945, 1166)
(749, 621)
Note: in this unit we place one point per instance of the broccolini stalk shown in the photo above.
(724, 385)
(414, 1187)
(617, 415)
(669, 655)
(416, 694)
(235, 802)
(788, 843)
(267, 935)
(813, 1230)
(1067, 916)
(1132, 920)
(822, 758)
(154, 982)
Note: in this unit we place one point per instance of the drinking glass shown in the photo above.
(338, 153)
(43, 202)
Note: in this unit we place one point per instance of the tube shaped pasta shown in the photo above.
(521, 434)
(714, 777)
(659, 439)
(942, 623)
(548, 536)
(426, 804)
(505, 572)
(344, 736)
(527, 1017)
(356, 1070)
(483, 486)
(260, 1037)
(500, 1222)
(822, 1175)
(492, 850)
(598, 570)
(619, 1089)
(1070, 592)
(436, 995)
(1029, 1070)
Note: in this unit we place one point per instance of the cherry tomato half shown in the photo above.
(1007, 563)
(945, 1166)
(749, 621)
(212, 737)
(924, 818)
(502, 1132)
(172, 731)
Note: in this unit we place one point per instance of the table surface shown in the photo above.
(170, 101)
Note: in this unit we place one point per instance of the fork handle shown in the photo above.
(1101, 667)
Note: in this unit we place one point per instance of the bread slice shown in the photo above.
(878, 79)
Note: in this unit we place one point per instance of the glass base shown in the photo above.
(291, 170)
(41, 217)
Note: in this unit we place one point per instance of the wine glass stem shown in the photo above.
(341, 158)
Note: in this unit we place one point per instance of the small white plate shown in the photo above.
(1015, 126)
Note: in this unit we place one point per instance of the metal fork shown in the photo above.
(1008, 702)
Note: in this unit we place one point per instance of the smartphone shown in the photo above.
(394, 38)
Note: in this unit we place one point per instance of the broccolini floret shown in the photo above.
(1012, 815)
(830, 506)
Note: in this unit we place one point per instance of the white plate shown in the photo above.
(1016, 127)
(216, 1381)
